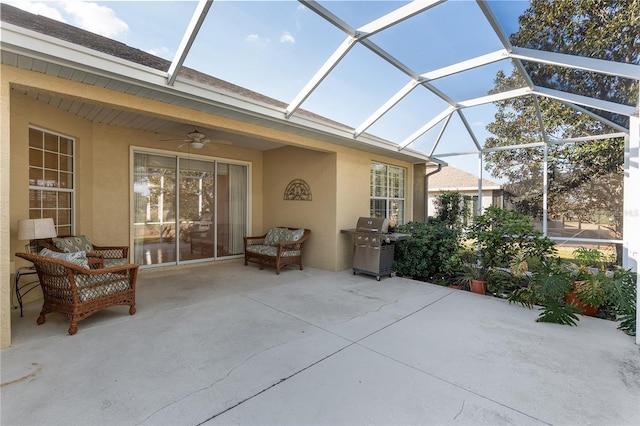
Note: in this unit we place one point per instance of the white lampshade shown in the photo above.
(35, 229)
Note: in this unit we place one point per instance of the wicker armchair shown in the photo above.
(77, 292)
(278, 247)
(99, 256)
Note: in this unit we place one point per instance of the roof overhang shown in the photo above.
(34, 51)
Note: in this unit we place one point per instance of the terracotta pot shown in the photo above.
(454, 286)
(478, 286)
(588, 310)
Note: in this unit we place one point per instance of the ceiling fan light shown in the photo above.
(197, 145)
(195, 135)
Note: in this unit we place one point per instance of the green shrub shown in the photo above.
(433, 249)
(505, 234)
(501, 282)
(453, 209)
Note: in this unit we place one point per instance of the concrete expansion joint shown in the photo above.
(284, 379)
(235, 367)
(273, 385)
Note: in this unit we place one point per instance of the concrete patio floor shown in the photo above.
(228, 344)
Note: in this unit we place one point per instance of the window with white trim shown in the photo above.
(51, 180)
(388, 192)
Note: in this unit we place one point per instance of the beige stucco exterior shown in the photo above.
(338, 176)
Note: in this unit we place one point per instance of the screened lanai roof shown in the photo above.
(419, 75)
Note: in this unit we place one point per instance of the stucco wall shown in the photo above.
(6, 265)
(318, 169)
(354, 171)
(340, 184)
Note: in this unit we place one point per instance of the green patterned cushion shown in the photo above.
(278, 235)
(271, 251)
(114, 284)
(71, 244)
(78, 257)
(296, 235)
(110, 263)
(275, 235)
(263, 249)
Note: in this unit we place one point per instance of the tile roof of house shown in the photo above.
(453, 179)
(71, 34)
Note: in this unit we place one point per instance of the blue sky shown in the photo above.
(275, 47)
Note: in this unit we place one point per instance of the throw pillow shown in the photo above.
(297, 234)
(71, 244)
(78, 257)
(274, 236)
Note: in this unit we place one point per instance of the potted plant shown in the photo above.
(474, 277)
(589, 292)
(592, 283)
(547, 287)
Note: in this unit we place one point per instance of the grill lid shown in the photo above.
(373, 224)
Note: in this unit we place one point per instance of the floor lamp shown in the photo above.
(34, 230)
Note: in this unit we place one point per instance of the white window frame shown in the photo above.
(38, 212)
(396, 218)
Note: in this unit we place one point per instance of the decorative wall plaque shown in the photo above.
(297, 190)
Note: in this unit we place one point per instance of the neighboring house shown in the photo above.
(93, 136)
(451, 179)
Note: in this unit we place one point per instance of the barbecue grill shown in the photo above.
(373, 247)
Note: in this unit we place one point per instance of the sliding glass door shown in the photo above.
(187, 209)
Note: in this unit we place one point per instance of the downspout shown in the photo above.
(426, 192)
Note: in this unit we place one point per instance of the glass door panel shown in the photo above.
(231, 209)
(196, 192)
(154, 192)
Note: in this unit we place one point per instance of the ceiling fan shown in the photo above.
(197, 140)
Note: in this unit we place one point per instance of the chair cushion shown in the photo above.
(271, 251)
(109, 263)
(275, 235)
(78, 257)
(113, 284)
(71, 244)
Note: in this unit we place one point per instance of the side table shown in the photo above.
(22, 290)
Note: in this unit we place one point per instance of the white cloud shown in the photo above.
(37, 8)
(286, 37)
(256, 39)
(93, 17)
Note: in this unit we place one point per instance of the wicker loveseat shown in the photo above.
(72, 289)
(279, 247)
(100, 256)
